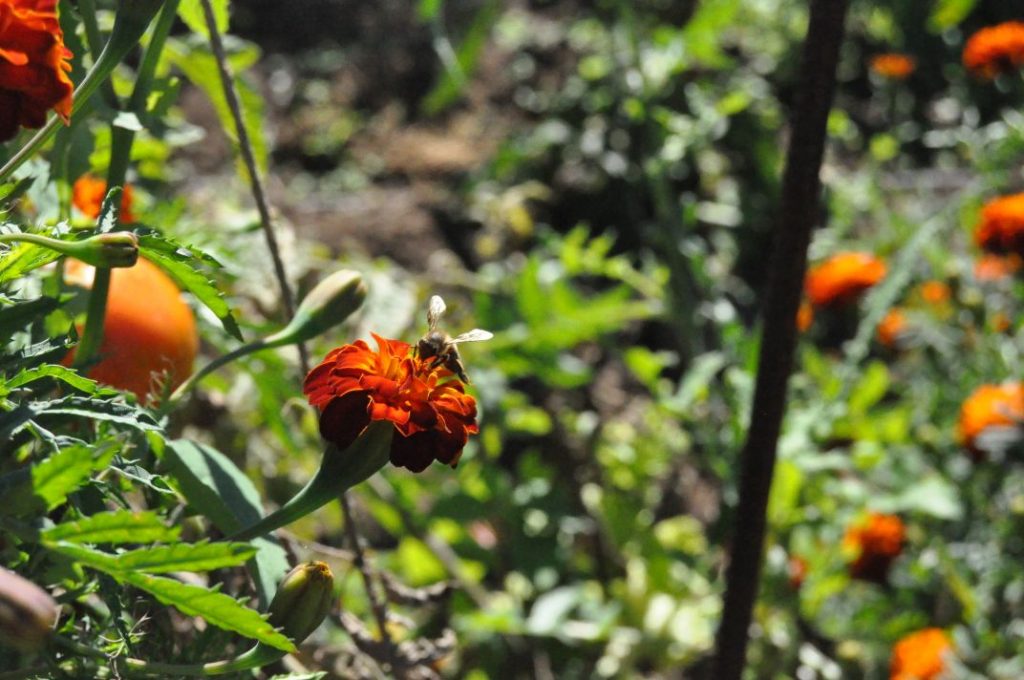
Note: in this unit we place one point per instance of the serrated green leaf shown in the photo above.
(12, 191)
(214, 486)
(57, 372)
(122, 526)
(22, 258)
(185, 557)
(45, 351)
(180, 263)
(108, 410)
(45, 485)
(217, 608)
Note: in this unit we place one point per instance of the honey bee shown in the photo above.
(440, 346)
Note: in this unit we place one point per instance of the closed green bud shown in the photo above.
(303, 600)
(332, 301)
(114, 249)
(27, 613)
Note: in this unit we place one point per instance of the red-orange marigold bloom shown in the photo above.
(995, 49)
(995, 267)
(804, 316)
(33, 66)
(88, 193)
(935, 292)
(893, 65)
(842, 278)
(990, 406)
(1001, 226)
(892, 328)
(919, 656)
(428, 405)
(876, 544)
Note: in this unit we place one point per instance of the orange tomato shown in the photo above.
(148, 329)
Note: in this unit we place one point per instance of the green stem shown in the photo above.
(257, 656)
(209, 368)
(87, 10)
(339, 471)
(120, 156)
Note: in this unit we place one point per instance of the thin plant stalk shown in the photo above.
(121, 143)
(249, 158)
(799, 209)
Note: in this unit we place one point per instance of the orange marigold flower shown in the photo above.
(428, 404)
(876, 543)
(990, 406)
(88, 193)
(34, 66)
(893, 65)
(995, 267)
(920, 655)
(1001, 226)
(935, 292)
(995, 49)
(892, 328)
(842, 278)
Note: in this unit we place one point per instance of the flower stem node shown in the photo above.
(114, 249)
(332, 301)
(27, 613)
(303, 600)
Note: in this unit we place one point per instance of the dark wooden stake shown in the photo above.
(801, 196)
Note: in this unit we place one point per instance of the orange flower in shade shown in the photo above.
(995, 49)
(804, 316)
(935, 292)
(990, 406)
(920, 655)
(893, 65)
(1001, 227)
(428, 405)
(876, 543)
(995, 267)
(842, 278)
(892, 328)
(33, 66)
(88, 193)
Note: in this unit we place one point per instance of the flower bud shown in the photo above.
(332, 301)
(114, 249)
(27, 613)
(303, 600)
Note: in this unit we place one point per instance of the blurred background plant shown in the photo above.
(596, 183)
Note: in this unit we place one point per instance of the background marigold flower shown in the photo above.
(88, 193)
(892, 328)
(919, 656)
(935, 292)
(893, 65)
(804, 316)
(1000, 228)
(876, 543)
(796, 570)
(995, 49)
(34, 66)
(995, 267)
(427, 404)
(990, 406)
(842, 278)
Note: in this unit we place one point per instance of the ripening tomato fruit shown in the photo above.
(148, 328)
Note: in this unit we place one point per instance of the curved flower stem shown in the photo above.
(258, 655)
(249, 158)
(801, 198)
(339, 471)
(209, 368)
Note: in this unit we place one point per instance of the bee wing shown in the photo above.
(475, 335)
(435, 311)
